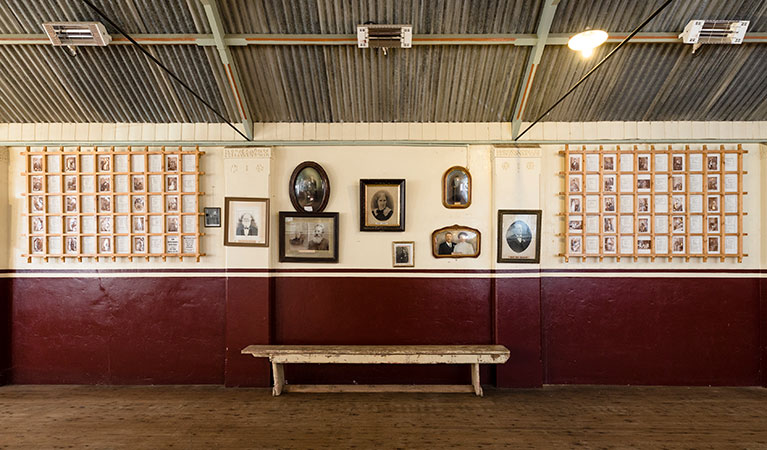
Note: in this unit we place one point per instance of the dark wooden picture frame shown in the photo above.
(439, 237)
(392, 216)
(309, 192)
(456, 194)
(210, 214)
(515, 247)
(241, 234)
(297, 243)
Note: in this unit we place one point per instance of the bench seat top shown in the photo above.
(381, 354)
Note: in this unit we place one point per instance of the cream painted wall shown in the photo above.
(5, 210)
(503, 178)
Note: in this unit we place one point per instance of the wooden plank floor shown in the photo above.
(192, 417)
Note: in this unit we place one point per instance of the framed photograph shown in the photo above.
(309, 187)
(575, 163)
(308, 237)
(212, 217)
(382, 205)
(246, 222)
(403, 254)
(456, 241)
(105, 163)
(456, 187)
(519, 236)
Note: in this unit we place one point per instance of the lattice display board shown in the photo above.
(653, 202)
(107, 202)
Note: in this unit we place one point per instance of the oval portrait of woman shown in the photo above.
(309, 187)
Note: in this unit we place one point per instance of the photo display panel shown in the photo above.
(650, 202)
(112, 202)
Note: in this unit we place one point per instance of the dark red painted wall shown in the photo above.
(247, 322)
(651, 331)
(518, 327)
(763, 329)
(118, 330)
(5, 331)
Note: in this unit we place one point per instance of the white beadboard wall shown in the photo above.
(465, 132)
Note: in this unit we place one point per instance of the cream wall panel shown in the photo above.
(5, 210)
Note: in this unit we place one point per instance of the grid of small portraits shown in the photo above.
(652, 202)
(108, 202)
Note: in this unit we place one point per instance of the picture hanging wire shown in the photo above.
(168, 71)
(588, 74)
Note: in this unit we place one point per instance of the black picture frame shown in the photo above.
(389, 218)
(295, 240)
(309, 188)
(212, 218)
(513, 245)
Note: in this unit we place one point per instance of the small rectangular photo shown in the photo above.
(139, 203)
(37, 183)
(105, 224)
(575, 245)
(677, 244)
(37, 163)
(172, 224)
(713, 203)
(70, 163)
(171, 183)
(608, 163)
(608, 224)
(678, 203)
(576, 162)
(610, 244)
(677, 163)
(70, 204)
(576, 183)
(38, 204)
(139, 244)
(138, 183)
(713, 245)
(677, 183)
(712, 163)
(712, 183)
(643, 224)
(71, 224)
(38, 244)
(139, 224)
(644, 183)
(38, 224)
(403, 254)
(713, 224)
(104, 164)
(643, 163)
(575, 224)
(105, 203)
(171, 203)
(70, 183)
(171, 163)
(609, 203)
(105, 183)
(609, 183)
(644, 244)
(677, 224)
(212, 217)
(643, 203)
(105, 245)
(72, 245)
(576, 205)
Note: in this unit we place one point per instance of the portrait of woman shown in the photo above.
(382, 206)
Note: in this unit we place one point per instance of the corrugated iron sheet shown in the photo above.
(654, 82)
(107, 84)
(343, 16)
(624, 15)
(135, 16)
(348, 84)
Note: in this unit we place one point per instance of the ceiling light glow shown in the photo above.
(587, 41)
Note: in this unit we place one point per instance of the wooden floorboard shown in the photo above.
(192, 417)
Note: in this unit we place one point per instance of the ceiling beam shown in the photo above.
(236, 40)
(542, 33)
(233, 75)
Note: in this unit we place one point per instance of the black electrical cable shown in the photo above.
(633, 33)
(156, 61)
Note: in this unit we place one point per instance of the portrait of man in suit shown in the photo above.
(246, 225)
(519, 236)
(447, 247)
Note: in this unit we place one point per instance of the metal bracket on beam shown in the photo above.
(235, 82)
(544, 25)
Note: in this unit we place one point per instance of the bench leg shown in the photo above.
(475, 379)
(279, 378)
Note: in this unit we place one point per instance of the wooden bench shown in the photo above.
(378, 354)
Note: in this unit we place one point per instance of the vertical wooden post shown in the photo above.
(279, 378)
(475, 379)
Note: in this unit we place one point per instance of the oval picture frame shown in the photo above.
(309, 188)
(456, 188)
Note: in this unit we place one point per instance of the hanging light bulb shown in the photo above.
(586, 42)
